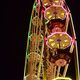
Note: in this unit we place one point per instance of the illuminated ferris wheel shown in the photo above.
(51, 47)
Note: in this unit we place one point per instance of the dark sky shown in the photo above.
(14, 34)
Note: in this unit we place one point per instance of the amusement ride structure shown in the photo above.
(51, 47)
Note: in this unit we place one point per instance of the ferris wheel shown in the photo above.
(51, 52)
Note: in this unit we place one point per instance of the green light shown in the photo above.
(34, 7)
(62, 78)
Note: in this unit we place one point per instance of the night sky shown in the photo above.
(14, 34)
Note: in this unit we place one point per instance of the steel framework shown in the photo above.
(51, 52)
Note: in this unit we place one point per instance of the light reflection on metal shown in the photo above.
(65, 70)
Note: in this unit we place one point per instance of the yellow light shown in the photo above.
(63, 45)
(52, 44)
(50, 16)
(53, 18)
(50, 40)
(46, 4)
(48, 13)
(62, 78)
(58, 45)
(56, 1)
(60, 34)
(65, 40)
(58, 16)
(62, 14)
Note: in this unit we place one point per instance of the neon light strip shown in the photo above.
(62, 78)
(58, 33)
